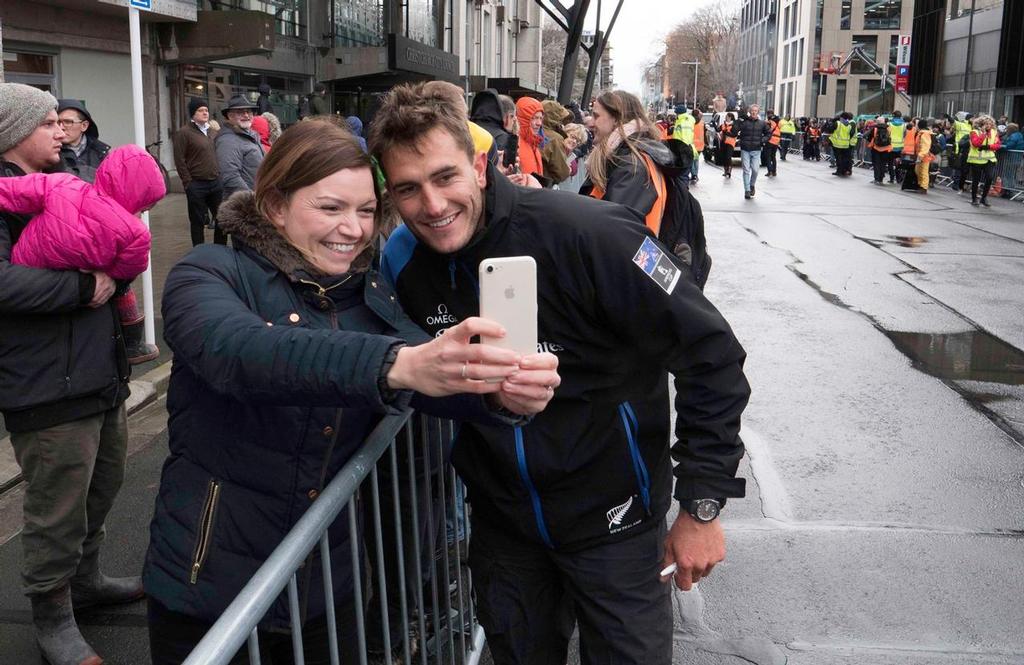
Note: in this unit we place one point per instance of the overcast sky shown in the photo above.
(638, 35)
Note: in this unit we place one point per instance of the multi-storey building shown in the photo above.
(757, 52)
(967, 55)
(605, 78)
(787, 50)
(216, 49)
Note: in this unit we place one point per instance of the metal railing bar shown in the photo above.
(421, 609)
(254, 647)
(431, 530)
(228, 634)
(400, 546)
(458, 561)
(382, 583)
(296, 617)
(446, 580)
(328, 579)
(357, 578)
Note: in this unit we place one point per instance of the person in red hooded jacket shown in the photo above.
(530, 114)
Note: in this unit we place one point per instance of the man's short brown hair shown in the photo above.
(410, 111)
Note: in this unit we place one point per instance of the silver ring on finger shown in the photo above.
(465, 369)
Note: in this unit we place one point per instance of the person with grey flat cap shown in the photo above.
(82, 149)
(63, 384)
(239, 154)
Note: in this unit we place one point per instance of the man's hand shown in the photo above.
(694, 547)
(529, 390)
(104, 289)
(525, 180)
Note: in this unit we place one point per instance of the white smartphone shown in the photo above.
(508, 295)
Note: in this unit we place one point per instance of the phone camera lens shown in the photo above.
(490, 268)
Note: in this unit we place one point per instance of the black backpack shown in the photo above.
(682, 224)
(882, 136)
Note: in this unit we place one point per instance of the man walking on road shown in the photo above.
(584, 488)
(196, 160)
(63, 383)
(752, 133)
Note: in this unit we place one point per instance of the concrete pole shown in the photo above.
(134, 34)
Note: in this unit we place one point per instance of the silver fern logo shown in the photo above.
(616, 514)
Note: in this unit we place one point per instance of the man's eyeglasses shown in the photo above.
(69, 123)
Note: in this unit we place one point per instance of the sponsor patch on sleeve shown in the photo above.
(652, 260)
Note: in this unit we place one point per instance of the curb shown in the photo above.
(145, 390)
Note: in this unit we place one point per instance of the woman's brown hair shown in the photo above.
(306, 153)
(622, 107)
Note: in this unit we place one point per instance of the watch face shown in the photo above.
(707, 510)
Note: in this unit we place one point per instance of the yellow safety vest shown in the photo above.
(787, 127)
(983, 155)
(961, 128)
(842, 137)
(896, 132)
(684, 128)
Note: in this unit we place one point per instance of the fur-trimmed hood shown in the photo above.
(239, 217)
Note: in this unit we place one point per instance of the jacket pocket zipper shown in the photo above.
(632, 429)
(205, 530)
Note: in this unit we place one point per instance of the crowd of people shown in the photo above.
(293, 340)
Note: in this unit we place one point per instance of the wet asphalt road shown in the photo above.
(885, 508)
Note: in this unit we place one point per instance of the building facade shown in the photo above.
(216, 49)
(968, 55)
(788, 49)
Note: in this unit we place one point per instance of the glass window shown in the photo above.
(289, 15)
(869, 45)
(785, 60)
(421, 22)
(894, 51)
(359, 23)
(487, 53)
(871, 98)
(785, 23)
(800, 58)
(882, 14)
(840, 95)
(845, 10)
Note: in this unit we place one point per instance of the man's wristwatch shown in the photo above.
(703, 510)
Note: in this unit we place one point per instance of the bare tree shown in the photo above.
(553, 40)
(710, 37)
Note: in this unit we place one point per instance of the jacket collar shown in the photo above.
(239, 217)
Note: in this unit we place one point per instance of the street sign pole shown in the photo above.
(134, 34)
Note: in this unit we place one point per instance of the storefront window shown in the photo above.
(872, 99)
(882, 14)
(359, 23)
(219, 84)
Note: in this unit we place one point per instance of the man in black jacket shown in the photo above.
(489, 112)
(753, 133)
(82, 149)
(63, 383)
(569, 511)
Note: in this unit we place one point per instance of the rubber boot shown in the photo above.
(138, 350)
(56, 631)
(90, 587)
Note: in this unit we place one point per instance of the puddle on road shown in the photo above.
(970, 356)
(908, 241)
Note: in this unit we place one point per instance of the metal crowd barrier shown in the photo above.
(1010, 168)
(431, 593)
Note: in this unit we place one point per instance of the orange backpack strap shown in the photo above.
(653, 220)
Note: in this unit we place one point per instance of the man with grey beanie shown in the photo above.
(63, 383)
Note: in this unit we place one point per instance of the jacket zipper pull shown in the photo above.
(195, 573)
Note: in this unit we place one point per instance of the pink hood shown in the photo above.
(78, 226)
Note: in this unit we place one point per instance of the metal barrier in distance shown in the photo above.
(431, 593)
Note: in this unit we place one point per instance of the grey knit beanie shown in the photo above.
(22, 109)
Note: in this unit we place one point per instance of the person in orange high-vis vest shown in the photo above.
(771, 149)
(698, 142)
(880, 144)
(908, 157)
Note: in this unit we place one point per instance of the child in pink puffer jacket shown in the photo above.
(78, 226)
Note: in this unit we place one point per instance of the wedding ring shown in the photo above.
(465, 368)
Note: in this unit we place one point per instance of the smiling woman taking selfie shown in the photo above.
(288, 347)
